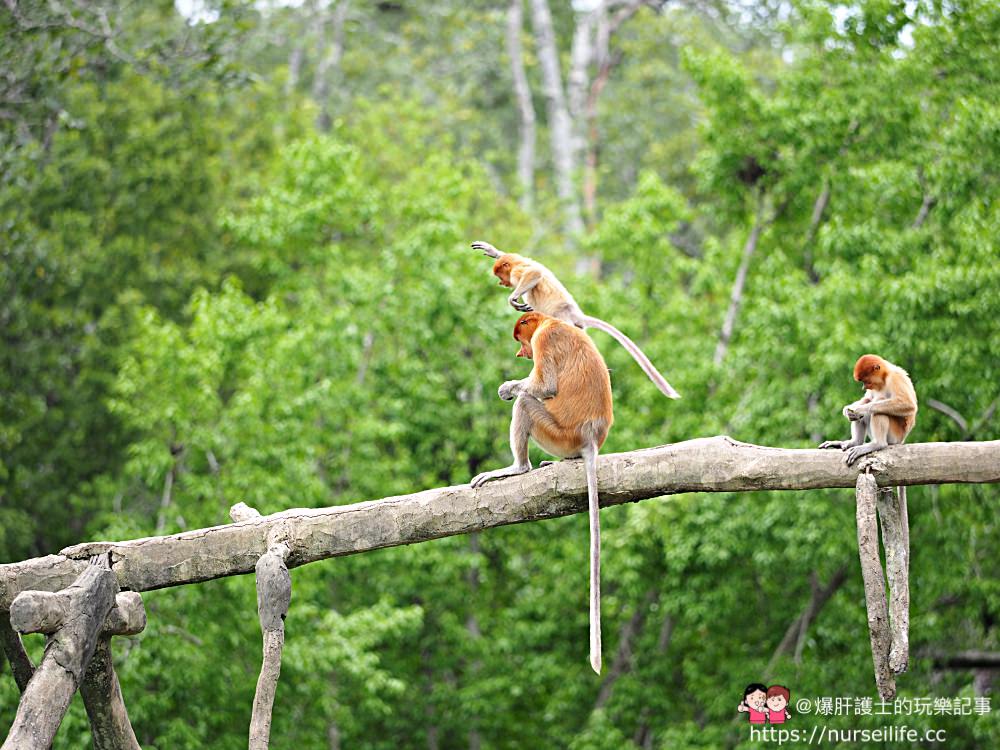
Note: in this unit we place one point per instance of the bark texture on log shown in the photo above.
(88, 601)
(875, 600)
(717, 464)
(895, 539)
(102, 697)
(274, 594)
(20, 663)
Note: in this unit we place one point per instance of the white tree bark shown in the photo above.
(331, 51)
(560, 124)
(525, 108)
(717, 464)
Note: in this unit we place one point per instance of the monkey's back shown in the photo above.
(549, 296)
(582, 407)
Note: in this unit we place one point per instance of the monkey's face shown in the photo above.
(524, 329)
(870, 371)
(501, 269)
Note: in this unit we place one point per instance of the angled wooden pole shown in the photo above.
(102, 695)
(274, 594)
(871, 572)
(77, 614)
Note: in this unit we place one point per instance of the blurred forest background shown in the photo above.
(235, 267)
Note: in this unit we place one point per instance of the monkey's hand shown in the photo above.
(833, 444)
(519, 306)
(487, 249)
(510, 390)
(854, 414)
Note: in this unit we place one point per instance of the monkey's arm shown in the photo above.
(525, 284)
(541, 384)
(851, 410)
(487, 249)
(895, 406)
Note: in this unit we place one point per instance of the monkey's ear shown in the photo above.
(876, 367)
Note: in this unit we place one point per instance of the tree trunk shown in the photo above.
(525, 108)
(736, 295)
(560, 124)
(331, 50)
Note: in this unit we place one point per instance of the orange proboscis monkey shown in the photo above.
(544, 293)
(565, 406)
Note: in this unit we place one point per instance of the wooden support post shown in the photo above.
(84, 607)
(871, 572)
(102, 695)
(20, 663)
(895, 537)
(274, 594)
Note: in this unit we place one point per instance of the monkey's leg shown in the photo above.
(878, 426)
(528, 282)
(858, 430)
(520, 429)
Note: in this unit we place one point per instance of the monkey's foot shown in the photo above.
(480, 479)
(861, 450)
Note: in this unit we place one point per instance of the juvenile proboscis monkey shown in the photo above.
(544, 293)
(565, 406)
(887, 412)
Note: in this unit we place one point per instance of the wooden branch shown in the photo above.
(964, 659)
(895, 540)
(736, 294)
(871, 571)
(717, 464)
(274, 593)
(100, 689)
(43, 704)
(795, 634)
(20, 663)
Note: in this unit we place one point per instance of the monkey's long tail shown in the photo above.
(630, 346)
(594, 513)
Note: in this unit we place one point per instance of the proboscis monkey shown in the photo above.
(565, 406)
(543, 292)
(887, 412)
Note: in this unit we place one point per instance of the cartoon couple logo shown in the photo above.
(765, 704)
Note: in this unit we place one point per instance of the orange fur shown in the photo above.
(581, 410)
(891, 391)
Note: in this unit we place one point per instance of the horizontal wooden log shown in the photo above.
(46, 612)
(717, 464)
